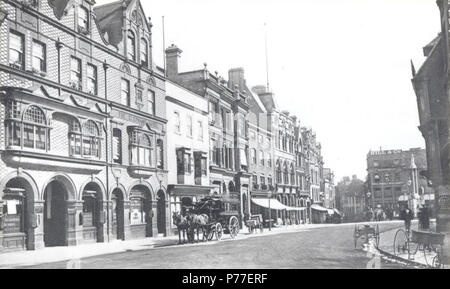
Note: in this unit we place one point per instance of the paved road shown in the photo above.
(330, 247)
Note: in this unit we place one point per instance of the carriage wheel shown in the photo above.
(219, 231)
(432, 255)
(233, 227)
(210, 234)
(401, 243)
(437, 260)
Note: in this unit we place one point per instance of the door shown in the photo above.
(161, 213)
(117, 224)
(55, 217)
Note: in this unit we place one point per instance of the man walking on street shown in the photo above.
(406, 215)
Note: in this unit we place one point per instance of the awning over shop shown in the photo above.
(330, 211)
(275, 204)
(319, 208)
(337, 212)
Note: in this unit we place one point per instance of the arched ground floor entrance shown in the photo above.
(141, 213)
(93, 217)
(117, 215)
(18, 221)
(55, 214)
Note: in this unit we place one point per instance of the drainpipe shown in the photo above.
(105, 68)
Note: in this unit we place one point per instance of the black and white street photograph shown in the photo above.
(238, 135)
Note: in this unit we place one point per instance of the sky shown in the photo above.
(342, 66)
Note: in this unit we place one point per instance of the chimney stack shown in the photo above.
(172, 55)
(236, 78)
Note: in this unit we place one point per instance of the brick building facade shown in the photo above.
(83, 125)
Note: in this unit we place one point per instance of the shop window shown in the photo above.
(137, 209)
(175, 204)
(16, 50)
(14, 211)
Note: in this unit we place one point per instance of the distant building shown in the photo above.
(350, 199)
(328, 188)
(394, 179)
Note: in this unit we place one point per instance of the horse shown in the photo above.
(182, 225)
(197, 223)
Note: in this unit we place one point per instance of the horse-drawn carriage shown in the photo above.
(222, 216)
(212, 215)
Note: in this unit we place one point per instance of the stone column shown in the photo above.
(74, 228)
(39, 230)
(126, 220)
(168, 218)
(154, 218)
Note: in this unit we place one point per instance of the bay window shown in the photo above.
(142, 149)
(91, 139)
(29, 130)
(75, 138)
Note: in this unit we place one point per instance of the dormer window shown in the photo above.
(131, 46)
(144, 52)
(83, 20)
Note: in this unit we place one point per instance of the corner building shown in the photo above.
(82, 139)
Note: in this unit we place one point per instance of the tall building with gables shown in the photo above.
(227, 127)
(83, 133)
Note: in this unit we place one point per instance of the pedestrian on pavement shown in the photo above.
(406, 215)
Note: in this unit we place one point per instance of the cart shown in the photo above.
(255, 222)
(362, 234)
(223, 216)
(425, 243)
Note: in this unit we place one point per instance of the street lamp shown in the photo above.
(270, 211)
(409, 193)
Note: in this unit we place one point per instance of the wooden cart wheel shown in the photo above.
(377, 236)
(437, 260)
(401, 243)
(211, 231)
(219, 231)
(233, 227)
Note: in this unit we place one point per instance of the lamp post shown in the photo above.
(409, 193)
(270, 211)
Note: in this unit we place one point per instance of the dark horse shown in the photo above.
(182, 225)
(197, 223)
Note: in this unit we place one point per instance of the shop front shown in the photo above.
(141, 212)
